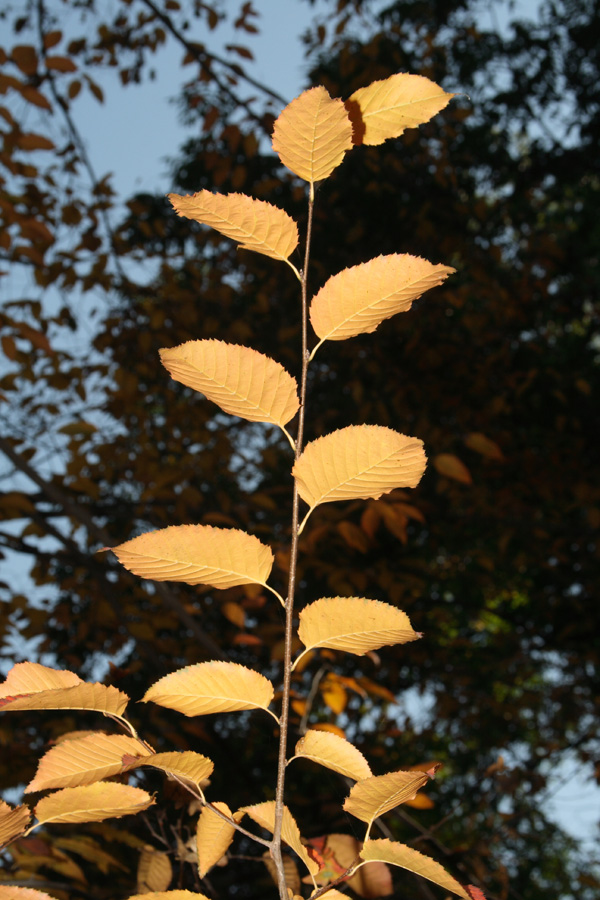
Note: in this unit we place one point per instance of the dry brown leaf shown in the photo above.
(92, 803)
(451, 466)
(212, 687)
(254, 224)
(186, 764)
(213, 837)
(400, 855)
(154, 871)
(240, 380)
(264, 814)
(358, 299)
(333, 752)
(377, 795)
(484, 445)
(13, 822)
(85, 760)
(33, 686)
(197, 554)
(312, 135)
(384, 109)
(357, 462)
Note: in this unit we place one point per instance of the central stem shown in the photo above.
(289, 604)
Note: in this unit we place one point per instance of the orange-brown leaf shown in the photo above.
(92, 803)
(452, 467)
(312, 135)
(375, 796)
(397, 854)
(60, 64)
(31, 141)
(213, 837)
(484, 445)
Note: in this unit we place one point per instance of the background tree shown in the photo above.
(495, 557)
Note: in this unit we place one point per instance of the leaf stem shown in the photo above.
(289, 606)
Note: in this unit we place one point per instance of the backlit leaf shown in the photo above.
(384, 109)
(33, 686)
(213, 837)
(240, 380)
(186, 764)
(198, 554)
(254, 224)
(353, 624)
(92, 803)
(333, 752)
(451, 466)
(358, 299)
(13, 821)
(9, 892)
(360, 461)
(264, 814)
(212, 687)
(85, 760)
(312, 134)
(400, 855)
(375, 796)
(154, 871)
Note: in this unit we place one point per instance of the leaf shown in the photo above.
(375, 796)
(169, 895)
(384, 109)
(358, 462)
(93, 803)
(154, 871)
(400, 855)
(197, 554)
(9, 892)
(213, 837)
(254, 224)
(333, 752)
(339, 852)
(334, 694)
(484, 445)
(290, 871)
(353, 624)
(85, 760)
(212, 687)
(60, 64)
(186, 764)
(33, 686)
(264, 814)
(358, 299)
(240, 380)
(30, 141)
(312, 134)
(450, 465)
(13, 822)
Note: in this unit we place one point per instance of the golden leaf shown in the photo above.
(186, 764)
(400, 855)
(358, 299)
(360, 461)
(92, 803)
(254, 224)
(484, 445)
(240, 380)
(213, 837)
(212, 687)
(451, 466)
(13, 822)
(33, 686)
(353, 624)
(169, 895)
(85, 760)
(334, 694)
(333, 752)
(264, 814)
(8, 892)
(375, 796)
(384, 109)
(154, 871)
(197, 554)
(312, 134)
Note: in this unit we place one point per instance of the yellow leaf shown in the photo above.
(334, 695)
(312, 134)
(377, 795)
(420, 801)
(358, 299)
(384, 109)
(254, 224)
(92, 803)
(264, 814)
(484, 445)
(329, 727)
(333, 752)
(13, 822)
(169, 895)
(85, 760)
(400, 855)
(212, 687)
(353, 624)
(33, 686)
(154, 871)
(451, 466)
(357, 462)
(197, 554)
(240, 380)
(186, 764)
(8, 892)
(213, 837)
(234, 613)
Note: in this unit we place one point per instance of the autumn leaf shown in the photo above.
(169, 895)
(358, 299)
(254, 224)
(212, 687)
(484, 445)
(92, 803)
(451, 466)
(360, 461)
(312, 135)
(400, 855)
(375, 796)
(185, 764)
(10, 892)
(30, 141)
(384, 109)
(154, 871)
(85, 760)
(353, 624)
(264, 814)
(34, 686)
(13, 822)
(333, 752)
(213, 837)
